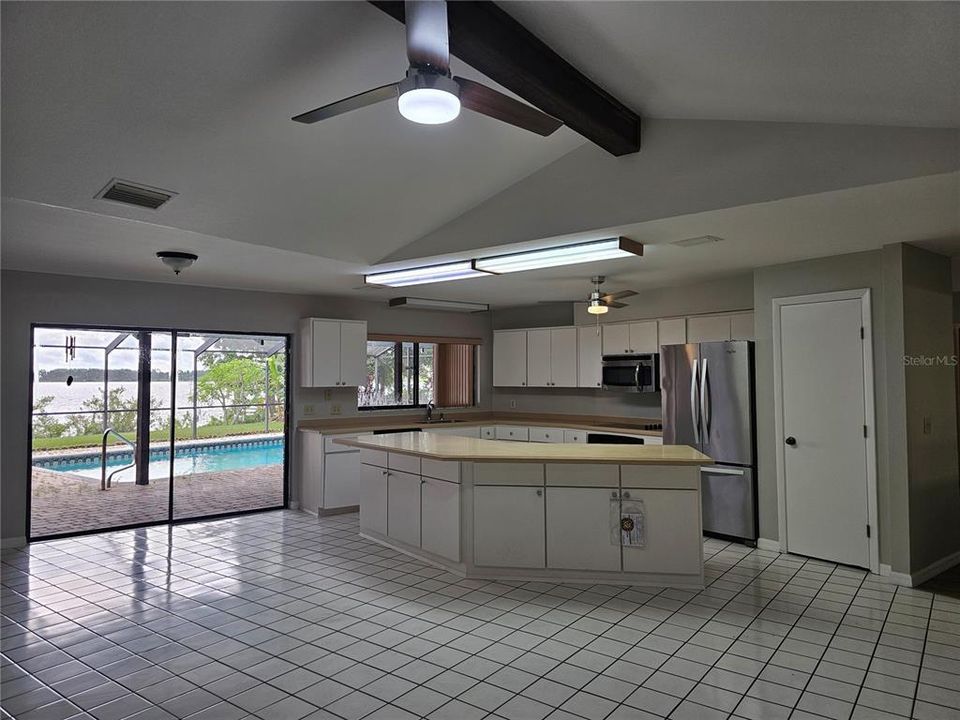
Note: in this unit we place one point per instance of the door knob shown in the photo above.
(791, 441)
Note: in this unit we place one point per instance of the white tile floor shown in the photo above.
(281, 617)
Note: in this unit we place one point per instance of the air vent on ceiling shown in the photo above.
(130, 193)
(694, 241)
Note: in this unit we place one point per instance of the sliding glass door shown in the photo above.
(136, 426)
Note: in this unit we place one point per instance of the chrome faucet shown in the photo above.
(430, 408)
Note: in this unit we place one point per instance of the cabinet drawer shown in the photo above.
(488, 432)
(373, 457)
(586, 475)
(512, 432)
(657, 476)
(448, 470)
(574, 436)
(507, 474)
(406, 463)
(545, 434)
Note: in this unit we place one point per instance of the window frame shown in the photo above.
(398, 371)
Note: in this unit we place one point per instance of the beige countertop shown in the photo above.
(452, 447)
(478, 418)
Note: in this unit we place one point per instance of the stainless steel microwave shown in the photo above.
(632, 373)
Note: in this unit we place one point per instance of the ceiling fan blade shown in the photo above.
(612, 303)
(354, 102)
(618, 295)
(488, 101)
(561, 302)
(427, 31)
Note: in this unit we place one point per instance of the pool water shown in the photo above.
(187, 461)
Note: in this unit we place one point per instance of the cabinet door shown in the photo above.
(589, 357)
(508, 526)
(643, 337)
(373, 499)
(578, 529)
(708, 329)
(672, 332)
(440, 518)
(311, 471)
(510, 358)
(325, 352)
(741, 326)
(341, 479)
(616, 339)
(403, 507)
(538, 358)
(353, 353)
(674, 543)
(563, 357)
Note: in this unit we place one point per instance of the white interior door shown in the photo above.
(823, 410)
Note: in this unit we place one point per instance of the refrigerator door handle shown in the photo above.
(693, 402)
(704, 401)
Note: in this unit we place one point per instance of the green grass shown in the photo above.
(203, 432)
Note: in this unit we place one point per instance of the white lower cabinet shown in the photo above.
(341, 479)
(440, 518)
(578, 529)
(508, 526)
(670, 546)
(373, 499)
(403, 507)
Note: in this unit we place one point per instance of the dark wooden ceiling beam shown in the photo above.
(492, 42)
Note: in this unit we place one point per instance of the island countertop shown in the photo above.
(451, 447)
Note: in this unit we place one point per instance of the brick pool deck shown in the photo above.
(61, 502)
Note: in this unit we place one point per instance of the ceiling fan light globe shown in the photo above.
(429, 106)
(596, 308)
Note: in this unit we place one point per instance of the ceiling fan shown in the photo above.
(599, 302)
(429, 94)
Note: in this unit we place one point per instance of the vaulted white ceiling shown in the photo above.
(196, 98)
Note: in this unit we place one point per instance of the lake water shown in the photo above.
(71, 398)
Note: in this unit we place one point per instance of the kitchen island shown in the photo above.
(558, 512)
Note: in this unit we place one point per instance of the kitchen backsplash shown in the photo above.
(584, 401)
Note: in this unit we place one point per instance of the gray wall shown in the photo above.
(36, 298)
(931, 419)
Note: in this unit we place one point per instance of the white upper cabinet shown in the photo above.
(589, 357)
(643, 337)
(538, 357)
(563, 357)
(709, 328)
(332, 352)
(616, 339)
(741, 326)
(630, 338)
(510, 358)
(671, 332)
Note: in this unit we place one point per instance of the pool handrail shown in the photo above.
(105, 480)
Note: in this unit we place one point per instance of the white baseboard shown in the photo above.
(897, 578)
(8, 543)
(768, 544)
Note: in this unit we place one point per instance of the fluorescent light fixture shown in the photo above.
(428, 304)
(428, 274)
(563, 255)
(694, 241)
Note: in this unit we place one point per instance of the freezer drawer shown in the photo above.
(727, 494)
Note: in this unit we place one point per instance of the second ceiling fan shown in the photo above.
(429, 94)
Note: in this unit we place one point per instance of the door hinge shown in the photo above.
(868, 531)
(862, 334)
(865, 431)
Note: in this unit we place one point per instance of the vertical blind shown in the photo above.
(453, 375)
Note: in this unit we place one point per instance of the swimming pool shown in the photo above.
(222, 456)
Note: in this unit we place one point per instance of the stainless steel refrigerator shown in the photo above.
(708, 403)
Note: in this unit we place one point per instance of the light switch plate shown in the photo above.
(336, 409)
(513, 404)
(309, 410)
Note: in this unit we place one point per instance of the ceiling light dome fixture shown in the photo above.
(596, 307)
(428, 98)
(176, 260)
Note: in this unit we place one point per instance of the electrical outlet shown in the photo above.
(336, 409)
(927, 426)
(513, 404)
(328, 394)
(309, 410)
